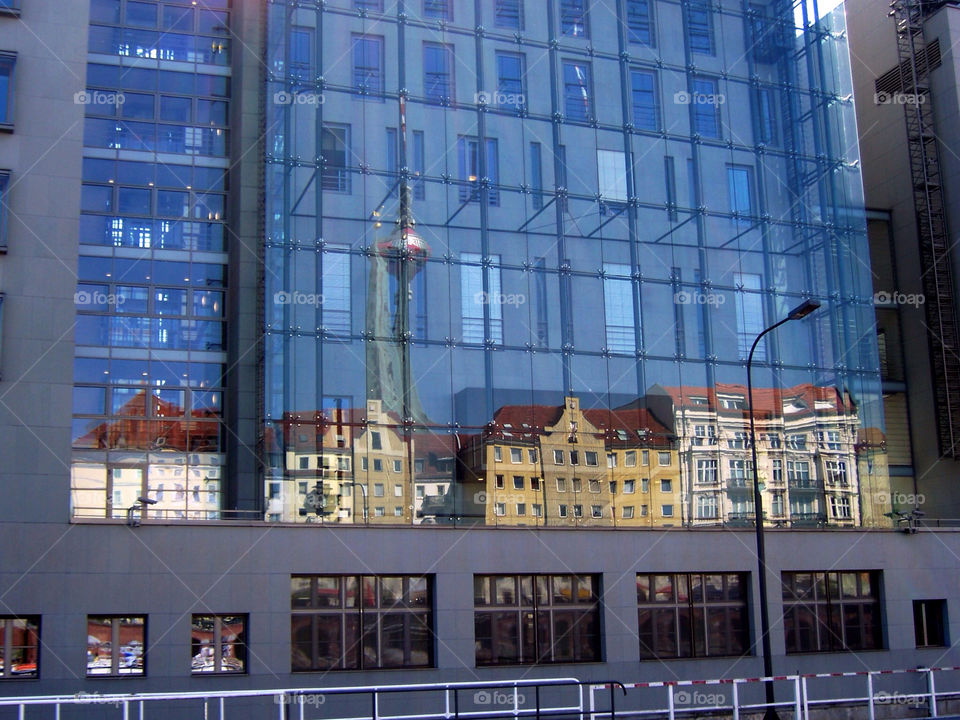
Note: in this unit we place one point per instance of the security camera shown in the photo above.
(146, 501)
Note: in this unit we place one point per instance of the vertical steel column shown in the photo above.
(560, 206)
(627, 119)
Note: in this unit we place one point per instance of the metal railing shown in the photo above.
(543, 698)
(735, 697)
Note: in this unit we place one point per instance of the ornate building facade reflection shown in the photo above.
(596, 220)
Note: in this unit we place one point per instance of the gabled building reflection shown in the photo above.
(153, 448)
(674, 457)
(564, 466)
(807, 448)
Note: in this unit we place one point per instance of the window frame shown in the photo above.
(533, 607)
(115, 670)
(8, 61)
(653, 601)
(828, 596)
(241, 641)
(921, 631)
(363, 90)
(370, 609)
(569, 101)
(32, 627)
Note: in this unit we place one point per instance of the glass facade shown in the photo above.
(151, 282)
(589, 263)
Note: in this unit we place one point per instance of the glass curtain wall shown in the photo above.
(151, 278)
(611, 199)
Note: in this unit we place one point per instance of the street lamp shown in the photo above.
(801, 311)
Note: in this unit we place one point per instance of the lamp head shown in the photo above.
(803, 309)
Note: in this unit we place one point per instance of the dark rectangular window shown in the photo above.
(540, 293)
(508, 14)
(360, 622)
(218, 644)
(536, 175)
(420, 305)
(375, 5)
(438, 86)
(116, 645)
(19, 646)
(419, 166)
(469, 167)
(438, 9)
(7, 63)
(644, 96)
(510, 71)
(700, 27)
(706, 108)
(692, 615)
(767, 116)
(930, 623)
(335, 283)
(335, 147)
(577, 90)
(639, 25)
(573, 18)
(831, 611)
(368, 64)
(740, 192)
(4, 204)
(679, 325)
(670, 178)
(527, 619)
(301, 52)
(393, 159)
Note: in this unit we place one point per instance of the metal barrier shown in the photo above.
(426, 701)
(698, 700)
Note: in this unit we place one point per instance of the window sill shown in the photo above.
(10, 12)
(6, 127)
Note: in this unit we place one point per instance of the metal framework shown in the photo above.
(932, 232)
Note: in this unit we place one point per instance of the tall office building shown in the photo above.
(906, 89)
(352, 307)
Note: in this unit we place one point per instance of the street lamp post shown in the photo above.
(801, 311)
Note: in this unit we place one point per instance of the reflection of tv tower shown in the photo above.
(396, 259)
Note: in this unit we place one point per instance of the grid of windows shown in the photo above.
(350, 622)
(161, 30)
(692, 615)
(536, 619)
(831, 611)
(542, 187)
